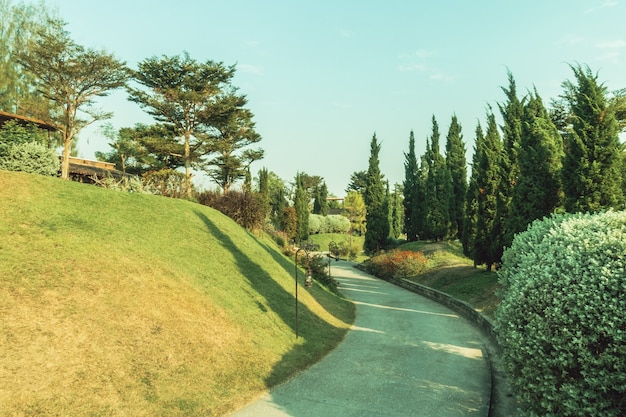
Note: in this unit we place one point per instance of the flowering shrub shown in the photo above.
(396, 264)
(562, 320)
(318, 265)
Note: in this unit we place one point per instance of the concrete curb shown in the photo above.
(503, 403)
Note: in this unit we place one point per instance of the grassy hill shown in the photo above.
(120, 304)
(449, 271)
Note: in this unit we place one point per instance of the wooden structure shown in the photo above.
(81, 170)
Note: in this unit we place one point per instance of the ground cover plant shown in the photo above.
(115, 303)
(562, 321)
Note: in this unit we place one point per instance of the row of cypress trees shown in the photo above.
(569, 159)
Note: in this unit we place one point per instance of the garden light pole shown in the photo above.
(331, 245)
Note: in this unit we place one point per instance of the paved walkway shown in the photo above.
(405, 356)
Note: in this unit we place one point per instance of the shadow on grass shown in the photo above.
(316, 335)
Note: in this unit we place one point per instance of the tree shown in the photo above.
(537, 191)
(457, 165)
(397, 212)
(592, 163)
(19, 24)
(301, 204)
(511, 111)
(411, 191)
(354, 210)
(358, 182)
(438, 191)
(235, 131)
(487, 183)
(70, 77)
(186, 96)
(376, 218)
(471, 203)
(320, 205)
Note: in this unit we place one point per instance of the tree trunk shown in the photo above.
(187, 165)
(67, 148)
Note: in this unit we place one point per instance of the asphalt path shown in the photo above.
(406, 355)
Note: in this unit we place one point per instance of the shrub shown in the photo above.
(29, 157)
(562, 320)
(318, 266)
(314, 224)
(166, 182)
(337, 223)
(397, 264)
(247, 209)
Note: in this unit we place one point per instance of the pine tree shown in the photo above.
(438, 191)
(488, 182)
(377, 221)
(511, 111)
(320, 204)
(592, 164)
(537, 191)
(411, 191)
(471, 202)
(301, 204)
(457, 165)
(397, 212)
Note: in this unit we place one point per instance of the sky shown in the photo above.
(323, 76)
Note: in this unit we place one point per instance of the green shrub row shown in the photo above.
(333, 223)
(396, 264)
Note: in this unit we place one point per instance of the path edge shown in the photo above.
(502, 400)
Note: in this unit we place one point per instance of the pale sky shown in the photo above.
(322, 76)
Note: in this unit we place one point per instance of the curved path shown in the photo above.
(405, 356)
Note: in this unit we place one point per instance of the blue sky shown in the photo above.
(323, 76)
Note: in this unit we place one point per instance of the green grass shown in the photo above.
(449, 271)
(124, 304)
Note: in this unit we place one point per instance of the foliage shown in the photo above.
(396, 264)
(396, 212)
(591, 168)
(487, 181)
(318, 265)
(166, 182)
(129, 184)
(377, 209)
(320, 204)
(70, 77)
(438, 193)
(29, 157)
(301, 204)
(358, 182)
(457, 165)
(471, 202)
(561, 322)
(289, 222)
(411, 192)
(354, 210)
(188, 97)
(333, 223)
(246, 209)
(235, 132)
(13, 133)
(537, 191)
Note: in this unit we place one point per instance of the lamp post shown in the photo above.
(331, 245)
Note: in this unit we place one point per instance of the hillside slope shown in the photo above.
(119, 304)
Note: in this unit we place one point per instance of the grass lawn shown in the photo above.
(449, 271)
(120, 304)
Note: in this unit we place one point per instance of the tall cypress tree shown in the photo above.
(537, 191)
(592, 163)
(377, 211)
(397, 212)
(457, 165)
(438, 191)
(485, 248)
(320, 204)
(301, 204)
(411, 192)
(511, 111)
(471, 201)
